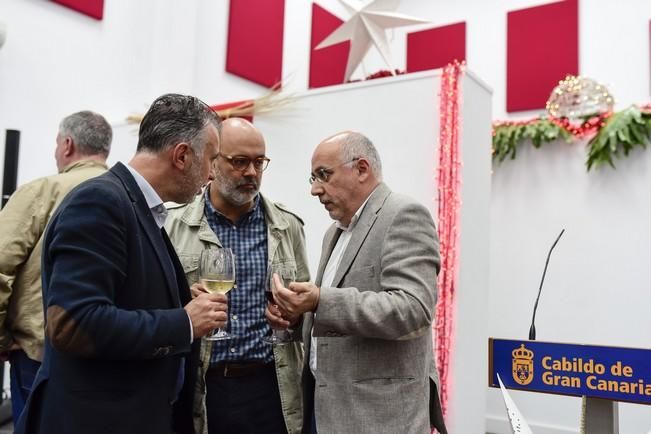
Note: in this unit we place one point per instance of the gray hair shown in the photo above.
(174, 118)
(90, 132)
(356, 145)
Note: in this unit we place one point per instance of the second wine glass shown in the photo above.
(287, 275)
(217, 275)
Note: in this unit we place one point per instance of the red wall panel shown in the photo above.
(93, 8)
(435, 48)
(327, 65)
(542, 48)
(255, 40)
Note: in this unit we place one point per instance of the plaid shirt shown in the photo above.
(246, 303)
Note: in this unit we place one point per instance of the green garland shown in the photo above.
(507, 137)
(616, 134)
(621, 133)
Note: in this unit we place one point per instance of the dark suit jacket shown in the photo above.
(116, 333)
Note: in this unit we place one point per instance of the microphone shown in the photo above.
(532, 329)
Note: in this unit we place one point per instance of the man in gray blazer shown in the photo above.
(367, 323)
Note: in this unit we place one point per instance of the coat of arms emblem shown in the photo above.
(522, 365)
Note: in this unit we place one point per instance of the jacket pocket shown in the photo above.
(190, 265)
(363, 278)
(362, 272)
(385, 381)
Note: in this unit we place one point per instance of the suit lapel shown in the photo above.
(329, 243)
(308, 321)
(184, 296)
(147, 222)
(360, 232)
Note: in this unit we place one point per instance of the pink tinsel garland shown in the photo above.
(449, 201)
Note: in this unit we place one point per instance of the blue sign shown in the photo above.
(618, 374)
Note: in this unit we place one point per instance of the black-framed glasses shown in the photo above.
(323, 174)
(240, 162)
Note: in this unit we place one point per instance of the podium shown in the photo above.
(600, 416)
(603, 375)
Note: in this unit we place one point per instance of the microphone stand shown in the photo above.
(532, 329)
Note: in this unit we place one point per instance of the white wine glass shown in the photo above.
(217, 275)
(287, 275)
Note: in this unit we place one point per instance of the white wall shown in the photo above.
(56, 61)
(469, 364)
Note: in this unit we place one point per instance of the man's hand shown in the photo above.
(197, 288)
(275, 317)
(297, 299)
(207, 312)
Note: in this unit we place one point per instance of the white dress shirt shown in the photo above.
(154, 202)
(332, 266)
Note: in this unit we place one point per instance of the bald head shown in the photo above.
(238, 132)
(353, 145)
(337, 139)
(345, 170)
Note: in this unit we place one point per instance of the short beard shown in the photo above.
(190, 185)
(228, 188)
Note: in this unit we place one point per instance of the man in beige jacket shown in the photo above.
(83, 144)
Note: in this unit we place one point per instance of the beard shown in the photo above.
(190, 185)
(230, 188)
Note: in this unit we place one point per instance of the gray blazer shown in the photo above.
(375, 367)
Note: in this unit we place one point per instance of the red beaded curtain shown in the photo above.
(449, 188)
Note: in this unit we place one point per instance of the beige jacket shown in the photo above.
(22, 226)
(190, 233)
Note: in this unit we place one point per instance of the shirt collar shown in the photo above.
(154, 202)
(82, 163)
(355, 218)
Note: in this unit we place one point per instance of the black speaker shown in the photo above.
(9, 180)
(10, 174)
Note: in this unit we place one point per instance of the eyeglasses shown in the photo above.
(241, 163)
(322, 175)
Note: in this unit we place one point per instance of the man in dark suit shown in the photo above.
(120, 322)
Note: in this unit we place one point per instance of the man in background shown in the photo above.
(368, 319)
(120, 323)
(83, 144)
(246, 386)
